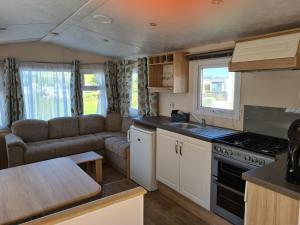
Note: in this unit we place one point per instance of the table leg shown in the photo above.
(98, 169)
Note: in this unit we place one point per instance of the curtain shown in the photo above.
(13, 93)
(118, 78)
(76, 90)
(111, 87)
(3, 115)
(46, 89)
(124, 74)
(148, 101)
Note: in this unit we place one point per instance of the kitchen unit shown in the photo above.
(184, 164)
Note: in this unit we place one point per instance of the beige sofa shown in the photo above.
(37, 140)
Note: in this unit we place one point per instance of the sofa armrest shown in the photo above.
(15, 148)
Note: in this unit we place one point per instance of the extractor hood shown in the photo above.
(278, 50)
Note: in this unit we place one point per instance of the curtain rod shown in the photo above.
(45, 62)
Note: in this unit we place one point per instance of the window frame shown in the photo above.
(197, 67)
(132, 111)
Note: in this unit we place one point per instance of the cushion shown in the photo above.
(118, 145)
(39, 151)
(113, 122)
(76, 145)
(31, 130)
(126, 123)
(91, 124)
(108, 134)
(63, 127)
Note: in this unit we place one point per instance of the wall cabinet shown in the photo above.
(168, 72)
(184, 164)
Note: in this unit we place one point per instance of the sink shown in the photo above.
(186, 126)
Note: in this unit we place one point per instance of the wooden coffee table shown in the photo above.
(93, 161)
(38, 188)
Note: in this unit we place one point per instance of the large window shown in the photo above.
(3, 121)
(217, 91)
(94, 92)
(134, 94)
(46, 90)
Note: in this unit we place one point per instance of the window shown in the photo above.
(94, 91)
(46, 90)
(3, 121)
(217, 91)
(134, 94)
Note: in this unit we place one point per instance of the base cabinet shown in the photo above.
(264, 206)
(184, 164)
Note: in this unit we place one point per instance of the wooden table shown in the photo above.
(93, 160)
(38, 188)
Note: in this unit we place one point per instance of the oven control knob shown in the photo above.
(247, 158)
(230, 152)
(261, 162)
(254, 160)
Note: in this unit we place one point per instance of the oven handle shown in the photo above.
(234, 162)
(228, 188)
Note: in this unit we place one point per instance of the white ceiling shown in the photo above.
(181, 23)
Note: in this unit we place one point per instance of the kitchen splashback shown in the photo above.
(268, 120)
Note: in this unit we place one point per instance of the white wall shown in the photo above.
(264, 88)
(40, 51)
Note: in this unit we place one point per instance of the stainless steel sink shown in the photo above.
(187, 126)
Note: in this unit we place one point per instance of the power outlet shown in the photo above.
(172, 105)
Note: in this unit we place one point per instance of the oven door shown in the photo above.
(228, 188)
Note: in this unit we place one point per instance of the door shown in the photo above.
(167, 161)
(195, 171)
(141, 157)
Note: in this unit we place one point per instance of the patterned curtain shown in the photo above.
(76, 90)
(148, 101)
(118, 79)
(13, 92)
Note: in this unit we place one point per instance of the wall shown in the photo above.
(264, 88)
(39, 51)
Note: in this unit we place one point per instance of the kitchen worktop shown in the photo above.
(162, 122)
(272, 176)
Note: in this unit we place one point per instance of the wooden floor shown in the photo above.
(159, 210)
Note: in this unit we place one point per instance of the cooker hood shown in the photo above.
(278, 50)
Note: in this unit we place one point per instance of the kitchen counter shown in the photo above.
(162, 122)
(272, 177)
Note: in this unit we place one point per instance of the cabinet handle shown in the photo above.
(180, 148)
(176, 147)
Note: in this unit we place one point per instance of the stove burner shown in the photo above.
(257, 143)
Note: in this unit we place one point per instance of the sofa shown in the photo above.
(37, 140)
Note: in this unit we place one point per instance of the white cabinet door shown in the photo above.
(167, 161)
(195, 171)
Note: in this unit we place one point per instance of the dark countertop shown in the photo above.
(272, 176)
(162, 122)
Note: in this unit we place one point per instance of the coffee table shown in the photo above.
(37, 188)
(93, 161)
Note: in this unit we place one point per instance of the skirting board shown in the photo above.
(190, 206)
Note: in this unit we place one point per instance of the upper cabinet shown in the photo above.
(272, 51)
(168, 72)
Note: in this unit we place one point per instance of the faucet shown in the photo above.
(202, 121)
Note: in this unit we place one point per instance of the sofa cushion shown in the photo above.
(108, 134)
(126, 123)
(39, 151)
(76, 145)
(118, 145)
(91, 124)
(113, 122)
(30, 130)
(63, 127)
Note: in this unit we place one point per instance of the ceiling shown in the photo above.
(181, 24)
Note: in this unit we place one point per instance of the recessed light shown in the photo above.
(102, 19)
(153, 24)
(216, 2)
(3, 28)
(105, 40)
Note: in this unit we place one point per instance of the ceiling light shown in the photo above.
(3, 28)
(105, 40)
(153, 24)
(54, 33)
(102, 19)
(216, 2)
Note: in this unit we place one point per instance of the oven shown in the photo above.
(228, 188)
